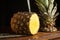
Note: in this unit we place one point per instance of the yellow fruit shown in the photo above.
(25, 23)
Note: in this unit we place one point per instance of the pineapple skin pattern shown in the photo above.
(21, 23)
(48, 15)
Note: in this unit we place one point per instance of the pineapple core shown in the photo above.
(34, 24)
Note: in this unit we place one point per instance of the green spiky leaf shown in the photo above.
(54, 11)
(41, 6)
(44, 2)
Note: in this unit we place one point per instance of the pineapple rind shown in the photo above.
(22, 25)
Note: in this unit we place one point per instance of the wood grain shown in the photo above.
(38, 36)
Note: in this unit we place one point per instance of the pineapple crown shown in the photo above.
(47, 7)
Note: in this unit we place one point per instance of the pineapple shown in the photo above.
(25, 23)
(47, 15)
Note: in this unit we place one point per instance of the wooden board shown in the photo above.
(38, 36)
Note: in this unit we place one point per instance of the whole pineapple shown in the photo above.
(47, 14)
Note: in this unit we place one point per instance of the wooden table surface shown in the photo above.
(38, 36)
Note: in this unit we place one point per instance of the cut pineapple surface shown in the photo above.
(34, 24)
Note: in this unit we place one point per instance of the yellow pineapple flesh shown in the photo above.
(25, 23)
(34, 24)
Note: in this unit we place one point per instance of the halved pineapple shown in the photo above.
(25, 23)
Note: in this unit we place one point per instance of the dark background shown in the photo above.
(8, 8)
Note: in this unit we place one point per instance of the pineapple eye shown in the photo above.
(47, 22)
